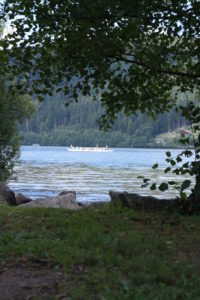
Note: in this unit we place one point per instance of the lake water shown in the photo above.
(45, 171)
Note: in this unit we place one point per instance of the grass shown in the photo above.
(107, 253)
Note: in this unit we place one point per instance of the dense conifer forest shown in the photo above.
(54, 124)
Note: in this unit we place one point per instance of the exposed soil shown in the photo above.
(27, 282)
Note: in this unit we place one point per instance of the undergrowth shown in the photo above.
(107, 253)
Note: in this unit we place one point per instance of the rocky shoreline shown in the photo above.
(67, 199)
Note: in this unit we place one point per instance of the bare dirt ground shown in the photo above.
(27, 282)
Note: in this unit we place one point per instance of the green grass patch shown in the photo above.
(107, 253)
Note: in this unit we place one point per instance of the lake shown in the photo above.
(45, 171)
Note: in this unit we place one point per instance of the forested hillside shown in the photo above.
(54, 124)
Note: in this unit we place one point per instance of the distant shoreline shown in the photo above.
(142, 147)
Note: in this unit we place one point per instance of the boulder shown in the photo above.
(137, 202)
(67, 201)
(7, 195)
(22, 199)
(66, 192)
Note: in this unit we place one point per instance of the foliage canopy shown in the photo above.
(131, 52)
(13, 110)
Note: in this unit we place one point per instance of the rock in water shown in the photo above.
(7, 195)
(67, 201)
(22, 199)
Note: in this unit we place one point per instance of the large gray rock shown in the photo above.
(7, 195)
(137, 202)
(22, 199)
(66, 192)
(67, 201)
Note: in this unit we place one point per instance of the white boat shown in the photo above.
(90, 149)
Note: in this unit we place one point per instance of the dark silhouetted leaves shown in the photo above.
(163, 187)
(155, 166)
(185, 184)
(153, 187)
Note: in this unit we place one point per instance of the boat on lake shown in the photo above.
(90, 149)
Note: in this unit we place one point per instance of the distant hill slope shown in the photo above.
(54, 124)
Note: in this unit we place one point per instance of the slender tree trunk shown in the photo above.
(193, 205)
(197, 188)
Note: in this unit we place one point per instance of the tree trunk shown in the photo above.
(193, 204)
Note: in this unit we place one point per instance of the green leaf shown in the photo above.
(186, 165)
(171, 182)
(168, 154)
(155, 166)
(176, 171)
(153, 187)
(172, 162)
(163, 187)
(185, 184)
(188, 153)
(183, 196)
(167, 170)
(145, 180)
(178, 159)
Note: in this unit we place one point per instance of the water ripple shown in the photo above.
(44, 171)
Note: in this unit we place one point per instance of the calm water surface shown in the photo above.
(45, 171)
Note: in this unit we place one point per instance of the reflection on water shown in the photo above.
(46, 171)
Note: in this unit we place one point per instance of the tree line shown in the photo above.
(78, 124)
